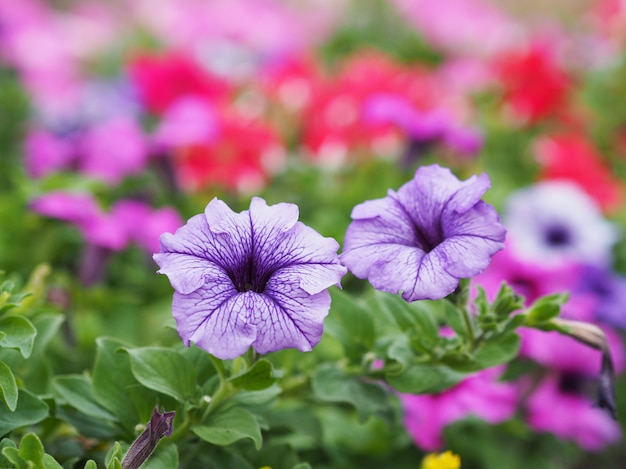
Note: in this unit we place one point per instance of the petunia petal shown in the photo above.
(216, 319)
(293, 318)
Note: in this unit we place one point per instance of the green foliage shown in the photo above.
(228, 426)
(163, 370)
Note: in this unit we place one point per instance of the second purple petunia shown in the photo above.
(422, 239)
(257, 278)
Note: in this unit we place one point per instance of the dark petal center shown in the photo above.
(525, 287)
(429, 239)
(558, 235)
(248, 276)
(572, 383)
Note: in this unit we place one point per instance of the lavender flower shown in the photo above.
(609, 291)
(257, 278)
(422, 239)
(555, 222)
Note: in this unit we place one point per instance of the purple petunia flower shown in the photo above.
(422, 239)
(257, 278)
(608, 288)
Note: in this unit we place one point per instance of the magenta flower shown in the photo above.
(480, 395)
(257, 278)
(565, 354)
(46, 153)
(422, 239)
(188, 121)
(114, 149)
(529, 279)
(127, 221)
(560, 406)
(144, 224)
(423, 127)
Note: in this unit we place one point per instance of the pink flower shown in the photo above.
(480, 395)
(464, 27)
(237, 37)
(47, 153)
(527, 278)
(558, 406)
(335, 123)
(144, 224)
(161, 80)
(75, 207)
(113, 149)
(188, 121)
(127, 221)
(565, 354)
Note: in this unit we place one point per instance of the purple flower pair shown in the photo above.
(259, 278)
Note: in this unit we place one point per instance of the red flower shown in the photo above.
(162, 79)
(335, 119)
(535, 86)
(291, 82)
(241, 157)
(571, 157)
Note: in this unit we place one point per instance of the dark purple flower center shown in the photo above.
(248, 276)
(558, 235)
(574, 384)
(524, 286)
(429, 239)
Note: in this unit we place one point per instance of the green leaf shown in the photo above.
(330, 384)
(302, 465)
(492, 352)
(111, 378)
(228, 426)
(76, 391)
(455, 319)
(163, 370)
(8, 386)
(400, 351)
(31, 454)
(19, 334)
(13, 455)
(351, 324)
(31, 449)
(164, 457)
(497, 352)
(50, 463)
(6, 443)
(30, 410)
(258, 376)
(91, 464)
(114, 456)
(425, 379)
(545, 308)
(506, 302)
(417, 318)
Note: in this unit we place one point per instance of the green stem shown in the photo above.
(219, 367)
(470, 328)
(225, 391)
